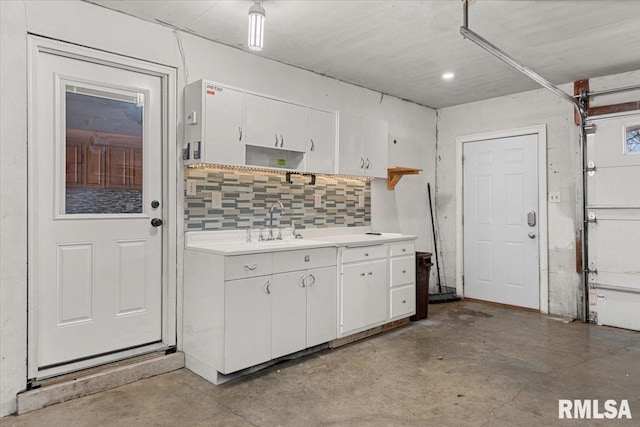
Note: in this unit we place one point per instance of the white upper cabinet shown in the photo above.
(214, 124)
(363, 146)
(275, 124)
(321, 148)
(230, 126)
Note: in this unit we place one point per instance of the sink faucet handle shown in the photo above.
(279, 234)
(249, 235)
(261, 237)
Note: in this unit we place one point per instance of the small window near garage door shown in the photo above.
(632, 134)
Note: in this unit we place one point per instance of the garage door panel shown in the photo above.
(613, 200)
(614, 308)
(608, 146)
(614, 186)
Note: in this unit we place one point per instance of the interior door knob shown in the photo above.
(532, 235)
(156, 222)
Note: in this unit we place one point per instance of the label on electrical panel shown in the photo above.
(212, 89)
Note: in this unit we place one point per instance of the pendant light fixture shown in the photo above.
(256, 26)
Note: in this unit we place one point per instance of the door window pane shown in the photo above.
(104, 151)
(633, 139)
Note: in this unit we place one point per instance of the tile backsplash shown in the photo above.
(247, 196)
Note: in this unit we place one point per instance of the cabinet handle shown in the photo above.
(302, 284)
(367, 164)
(314, 279)
(362, 274)
(404, 271)
(404, 301)
(276, 136)
(370, 273)
(239, 133)
(281, 140)
(313, 145)
(267, 286)
(404, 249)
(361, 162)
(366, 254)
(251, 267)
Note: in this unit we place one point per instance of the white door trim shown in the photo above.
(541, 132)
(170, 216)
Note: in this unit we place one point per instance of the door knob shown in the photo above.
(156, 222)
(532, 235)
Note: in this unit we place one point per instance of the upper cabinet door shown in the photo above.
(262, 121)
(214, 118)
(276, 124)
(224, 127)
(363, 146)
(321, 143)
(292, 126)
(351, 145)
(376, 147)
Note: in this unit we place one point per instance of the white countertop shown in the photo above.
(234, 242)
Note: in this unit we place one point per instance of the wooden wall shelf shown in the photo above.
(395, 174)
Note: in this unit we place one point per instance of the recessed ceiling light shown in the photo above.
(448, 76)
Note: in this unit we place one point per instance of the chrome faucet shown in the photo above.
(271, 209)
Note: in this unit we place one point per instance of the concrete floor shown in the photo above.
(469, 364)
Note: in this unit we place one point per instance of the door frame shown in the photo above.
(170, 212)
(541, 132)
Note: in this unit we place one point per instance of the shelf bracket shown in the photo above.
(395, 174)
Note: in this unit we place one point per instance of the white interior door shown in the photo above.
(613, 204)
(501, 254)
(96, 186)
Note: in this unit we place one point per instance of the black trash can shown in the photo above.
(423, 270)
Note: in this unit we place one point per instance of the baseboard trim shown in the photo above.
(369, 332)
(498, 304)
(110, 376)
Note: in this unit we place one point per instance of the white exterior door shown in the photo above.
(613, 205)
(501, 254)
(96, 160)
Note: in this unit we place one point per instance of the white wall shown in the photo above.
(411, 125)
(532, 108)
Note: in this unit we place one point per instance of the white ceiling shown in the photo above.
(402, 48)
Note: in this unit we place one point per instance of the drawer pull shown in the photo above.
(370, 273)
(404, 271)
(404, 301)
(251, 267)
(362, 274)
(267, 286)
(404, 249)
(366, 254)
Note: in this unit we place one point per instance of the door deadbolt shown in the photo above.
(156, 222)
(531, 218)
(155, 204)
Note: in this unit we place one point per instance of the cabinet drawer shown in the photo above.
(363, 253)
(403, 301)
(241, 266)
(303, 259)
(403, 270)
(402, 248)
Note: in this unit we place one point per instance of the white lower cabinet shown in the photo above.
(402, 280)
(247, 323)
(363, 289)
(303, 310)
(288, 314)
(244, 310)
(322, 305)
